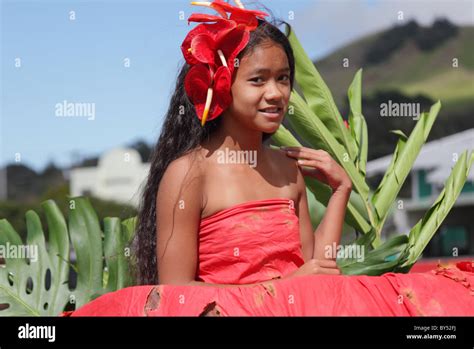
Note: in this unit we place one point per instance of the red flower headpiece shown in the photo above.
(211, 48)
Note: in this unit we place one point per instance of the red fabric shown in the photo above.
(249, 243)
(424, 265)
(258, 241)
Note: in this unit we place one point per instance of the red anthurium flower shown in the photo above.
(210, 49)
(215, 31)
(208, 91)
(240, 15)
(233, 43)
(205, 49)
(201, 17)
(212, 5)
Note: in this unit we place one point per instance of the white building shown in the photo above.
(429, 172)
(118, 177)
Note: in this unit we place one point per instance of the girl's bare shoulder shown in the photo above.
(280, 158)
(187, 167)
(289, 168)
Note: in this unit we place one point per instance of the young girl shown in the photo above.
(220, 236)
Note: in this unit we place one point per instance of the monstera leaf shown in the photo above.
(36, 283)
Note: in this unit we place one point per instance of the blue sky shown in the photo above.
(82, 61)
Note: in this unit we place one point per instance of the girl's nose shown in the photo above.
(273, 92)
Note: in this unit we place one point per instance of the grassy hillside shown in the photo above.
(409, 69)
(419, 74)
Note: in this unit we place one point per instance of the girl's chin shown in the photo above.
(270, 128)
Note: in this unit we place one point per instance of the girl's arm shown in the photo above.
(329, 230)
(178, 210)
(320, 165)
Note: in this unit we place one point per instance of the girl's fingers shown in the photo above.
(309, 171)
(299, 152)
(312, 172)
(310, 163)
(305, 157)
(327, 263)
(303, 149)
(331, 271)
(309, 154)
(313, 168)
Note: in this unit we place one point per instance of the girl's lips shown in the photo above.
(272, 115)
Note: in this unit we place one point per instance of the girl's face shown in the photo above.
(261, 88)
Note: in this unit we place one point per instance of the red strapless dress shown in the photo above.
(258, 241)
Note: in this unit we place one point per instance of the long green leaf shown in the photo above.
(357, 123)
(404, 157)
(377, 261)
(319, 97)
(421, 234)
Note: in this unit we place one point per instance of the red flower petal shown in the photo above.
(220, 27)
(201, 17)
(196, 83)
(215, 30)
(222, 96)
(247, 19)
(203, 48)
(233, 43)
(233, 9)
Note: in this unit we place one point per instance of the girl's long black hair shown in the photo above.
(181, 133)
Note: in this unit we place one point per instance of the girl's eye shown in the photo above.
(257, 80)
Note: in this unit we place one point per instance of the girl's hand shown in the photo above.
(320, 165)
(316, 266)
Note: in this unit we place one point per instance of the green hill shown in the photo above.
(409, 62)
